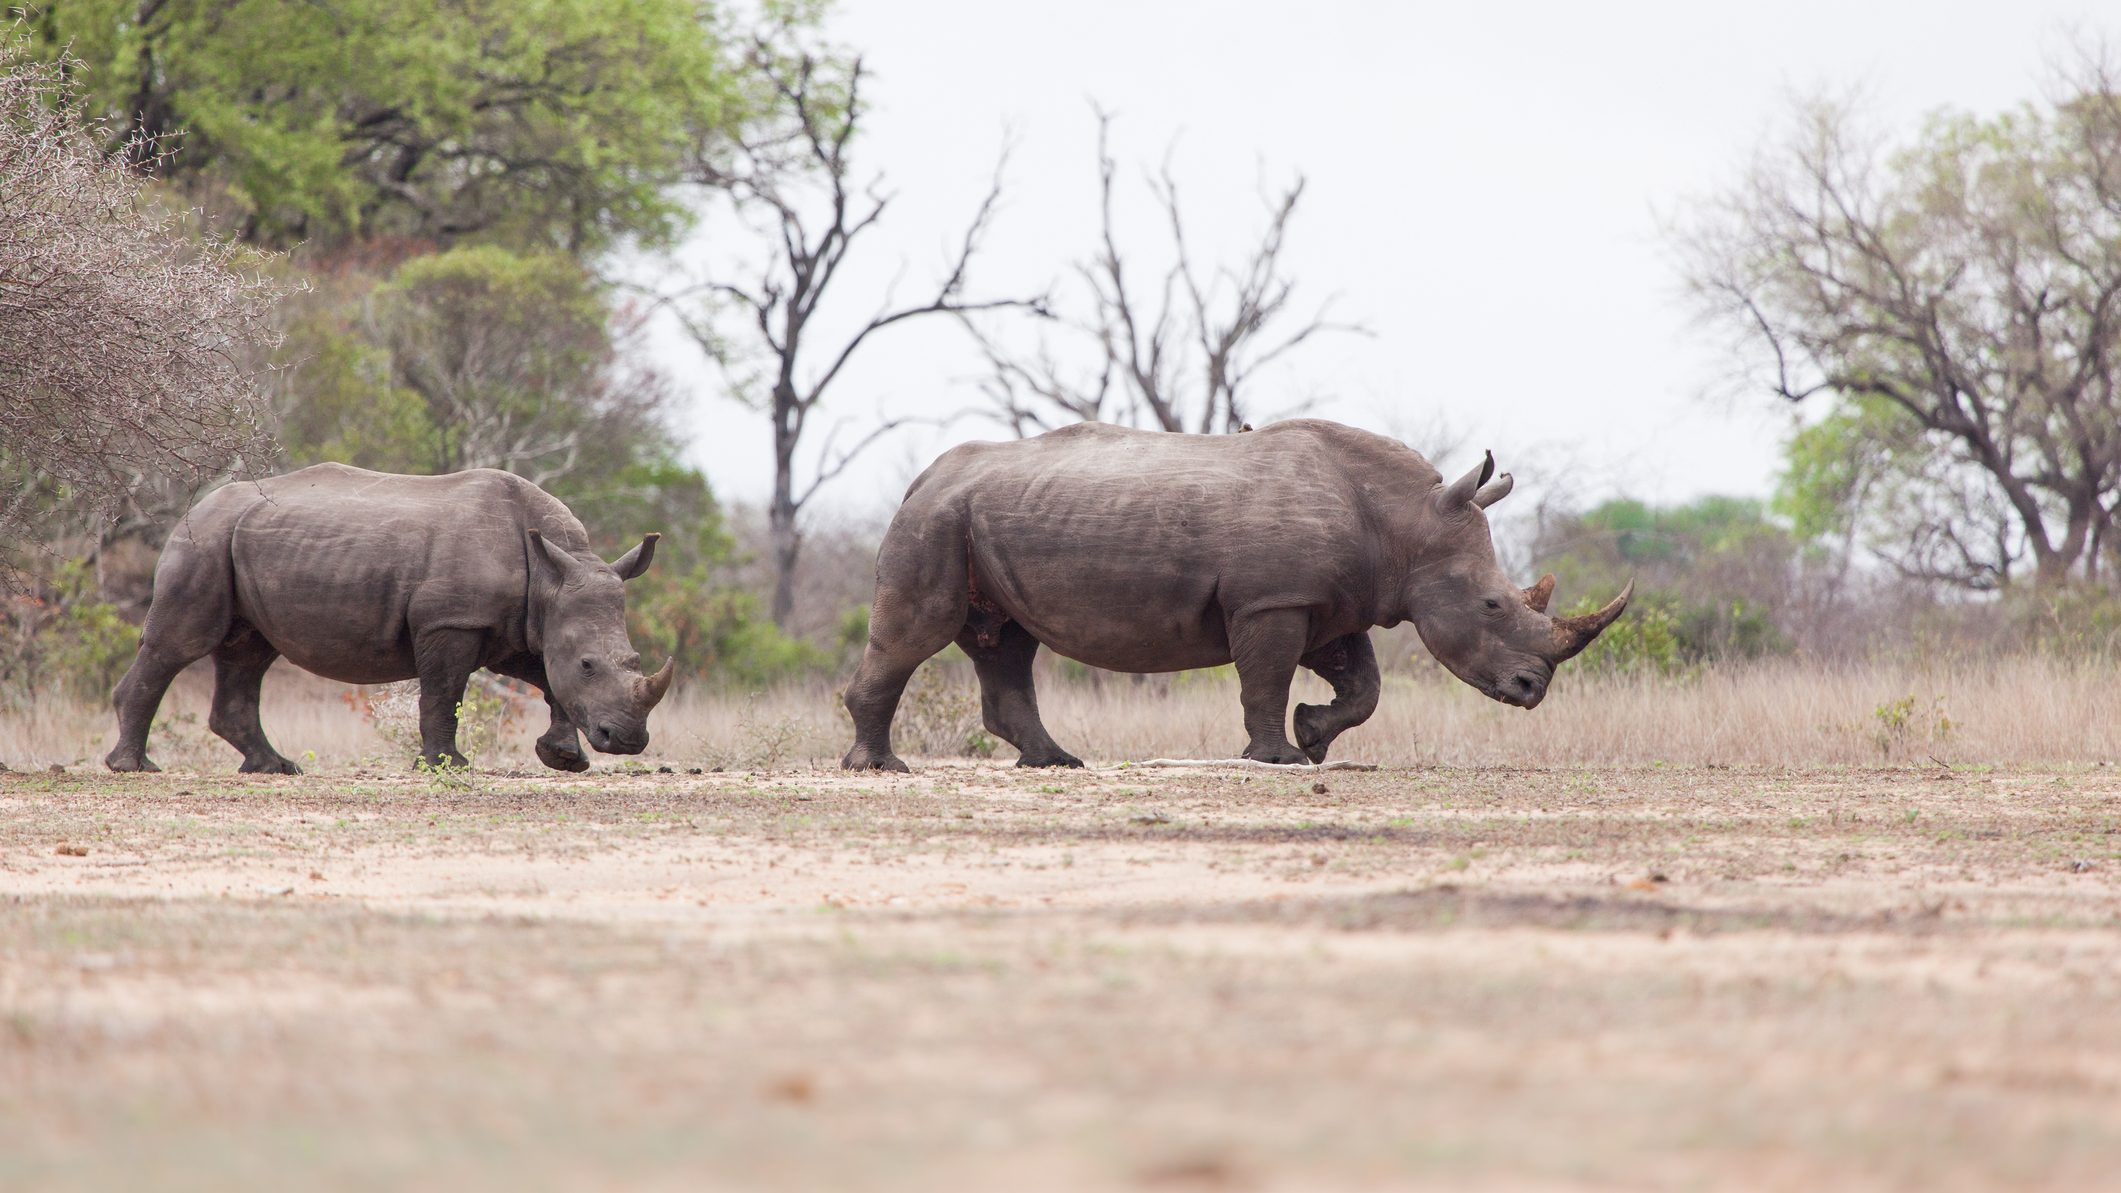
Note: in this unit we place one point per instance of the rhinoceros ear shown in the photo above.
(636, 561)
(1462, 491)
(555, 563)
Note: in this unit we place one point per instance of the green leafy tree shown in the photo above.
(554, 122)
(1957, 306)
(477, 357)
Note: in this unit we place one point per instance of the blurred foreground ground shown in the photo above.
(972, 977)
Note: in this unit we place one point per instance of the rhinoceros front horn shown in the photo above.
(1572, 634)
(654, 687)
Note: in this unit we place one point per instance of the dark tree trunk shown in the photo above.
(787, 540)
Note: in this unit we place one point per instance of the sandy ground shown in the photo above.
(977, 978)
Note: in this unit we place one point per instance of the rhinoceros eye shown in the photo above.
(588, 667)
(1494, 605)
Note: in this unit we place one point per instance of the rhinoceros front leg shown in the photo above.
(1266, 647)
(1350, 665)
(560, 746)
(189, 618)
(445, 660)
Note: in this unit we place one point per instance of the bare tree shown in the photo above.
(130, 350)
(1173, 354)
(1960, 304)
(791, 175)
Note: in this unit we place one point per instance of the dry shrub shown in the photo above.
(130, 348)
(939, 716)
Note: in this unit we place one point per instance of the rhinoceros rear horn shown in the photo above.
(653, 688)
(1572, 634)
(1494, 491)
(1537, 596)
(1462, 491)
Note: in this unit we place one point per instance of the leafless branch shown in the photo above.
(131, 352)
(1176, 356)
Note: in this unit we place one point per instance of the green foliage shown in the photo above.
(1646, 641)
(1708, 577)
(341, 402)
(718, 635)
(63, 637)
(529, 122)
(1865, 465)
(852, 634)
(474, 357)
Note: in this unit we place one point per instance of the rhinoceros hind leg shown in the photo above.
(445, 660)
(1266, 646)
(1350, 665)
(240, 664)
(137, 697)
(872, 700)
(1008, 697)
(188, 619)
(922, 596)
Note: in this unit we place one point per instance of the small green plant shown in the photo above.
(1899, 727)
(454, 775)
(483, 715)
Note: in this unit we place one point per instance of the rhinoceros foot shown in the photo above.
(1061, 758)
(124, 762)
(1283, 754)
(860, 758)
(270, 765)
(562, 755)
(1311, 731)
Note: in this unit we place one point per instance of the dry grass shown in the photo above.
(2024, 710)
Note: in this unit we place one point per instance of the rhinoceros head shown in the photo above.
(1495, 636)
(594, 672)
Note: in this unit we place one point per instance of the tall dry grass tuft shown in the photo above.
(2021, 710)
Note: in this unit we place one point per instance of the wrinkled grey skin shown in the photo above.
(1147, 551)
(367, 577)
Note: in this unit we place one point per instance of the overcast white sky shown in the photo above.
(1485, 187)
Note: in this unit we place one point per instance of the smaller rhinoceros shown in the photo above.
(367, 577)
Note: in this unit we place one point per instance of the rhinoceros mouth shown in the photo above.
(606, 740)
(1519, 691)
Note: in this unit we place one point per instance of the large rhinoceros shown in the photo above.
(1148, 551)
(366, 577)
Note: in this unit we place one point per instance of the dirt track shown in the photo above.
(971, 977)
